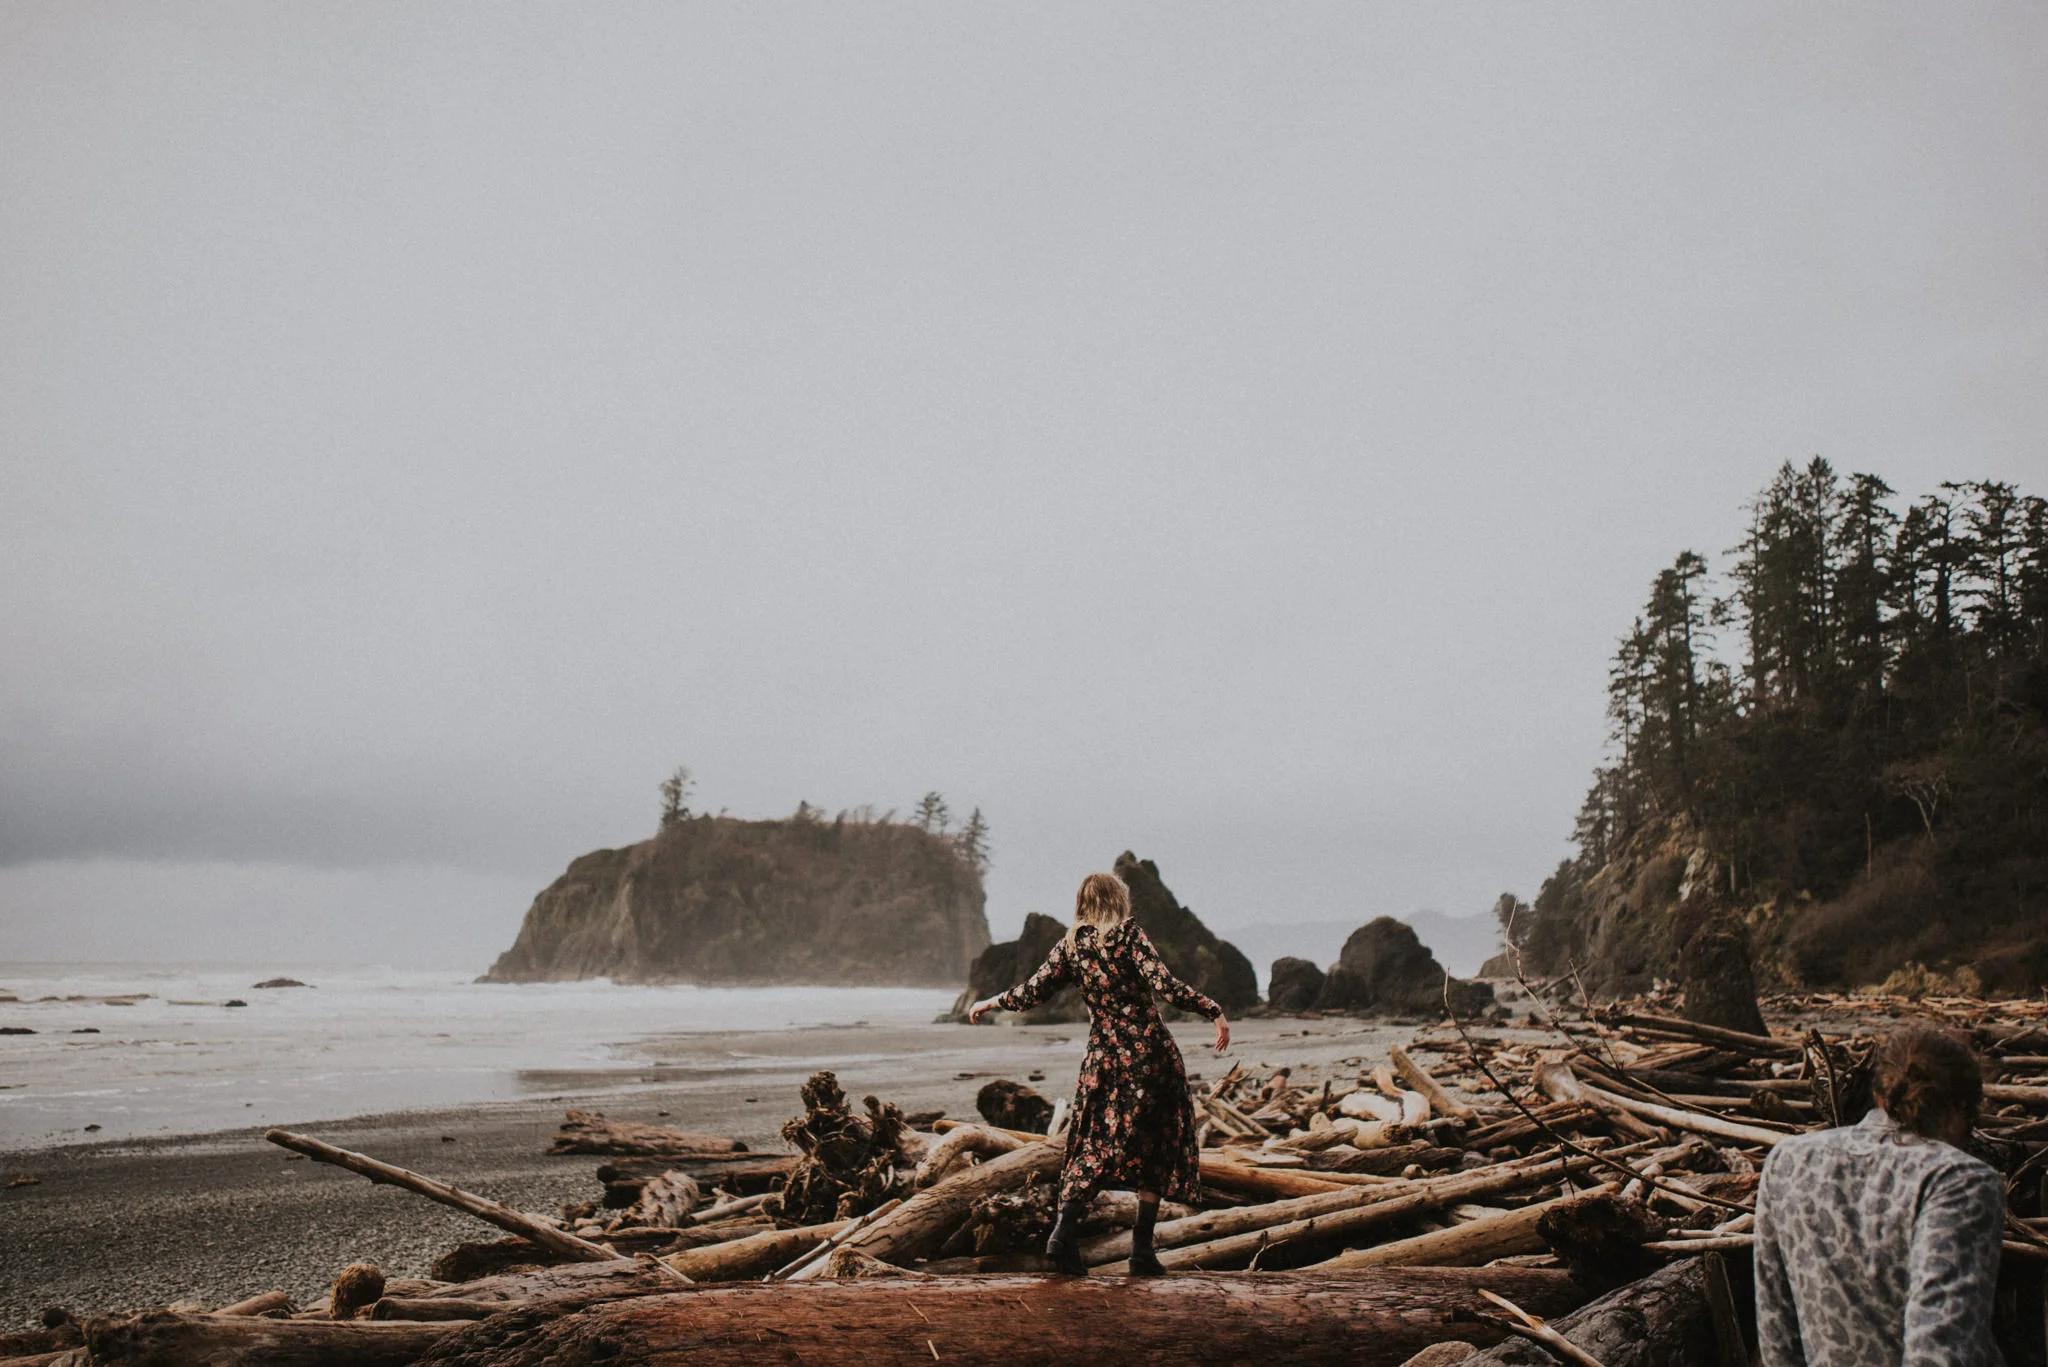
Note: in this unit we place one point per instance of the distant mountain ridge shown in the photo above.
(713, 899)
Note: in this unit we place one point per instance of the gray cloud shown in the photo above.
(1233, 434)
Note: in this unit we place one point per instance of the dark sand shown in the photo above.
(221, 1216)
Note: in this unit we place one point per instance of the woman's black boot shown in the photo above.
(1144, 1262)
(1063, 1247)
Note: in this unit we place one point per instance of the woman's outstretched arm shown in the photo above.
(1161, 980)
(1056, 972)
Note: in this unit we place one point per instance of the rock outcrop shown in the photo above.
(1714, 969)
(1190, 949)
(1385, 970)
(719, 900)
(1293, 985)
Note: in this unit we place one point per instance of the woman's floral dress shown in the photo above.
(1133, 1124)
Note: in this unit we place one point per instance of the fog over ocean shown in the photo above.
(168, 1057)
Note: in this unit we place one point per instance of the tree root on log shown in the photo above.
(848, 1162)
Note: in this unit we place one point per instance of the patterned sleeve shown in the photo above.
(1056, 972)
(1954, 1267)
(1777, 1314)
(1161, 980)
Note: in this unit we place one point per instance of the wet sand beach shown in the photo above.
(220, 1216)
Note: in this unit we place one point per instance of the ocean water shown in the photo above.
(154, 1050)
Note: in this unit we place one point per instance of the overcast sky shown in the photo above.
(1235, 433)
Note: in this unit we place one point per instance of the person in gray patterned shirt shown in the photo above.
(1877, 1244)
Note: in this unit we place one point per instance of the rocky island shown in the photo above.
(717, 900)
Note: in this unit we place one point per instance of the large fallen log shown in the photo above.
(503, 1216)
(163, 1339)
(1466, 1245)
(754, 1256)
(916, 1228)
(591, 1132)
(1664, 1320)
(1373, 1320)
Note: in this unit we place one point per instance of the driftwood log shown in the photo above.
(754, 1256)
(503, 1216)
(1290, 1233)
(1464, 1245)
(744, 1174)
(591, 1132)
(916, 1228)
(1663, 1320)
(1375, 1320)
(1416, 1076)
(163, 1339)
(622, 1276)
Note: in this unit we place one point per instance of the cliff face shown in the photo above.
(1190, 949)
(717, 900)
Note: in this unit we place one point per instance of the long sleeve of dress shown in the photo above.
(1777, 1314)
(1954, 1267)
(1056, 972)
(1161, 980)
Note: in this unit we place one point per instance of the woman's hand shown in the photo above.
(1222, 1034)
(978, 1010)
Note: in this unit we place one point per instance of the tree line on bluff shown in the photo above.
(1860, 785)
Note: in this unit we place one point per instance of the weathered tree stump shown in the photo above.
(1713, 968)
(1013, 1106)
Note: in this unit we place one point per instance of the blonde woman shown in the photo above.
(1133, 1123)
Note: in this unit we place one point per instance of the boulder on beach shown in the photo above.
(1385, 970)
(1293, 985)
(280, 982)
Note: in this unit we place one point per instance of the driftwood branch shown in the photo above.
(504, 1217)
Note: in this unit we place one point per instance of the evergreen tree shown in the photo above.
(972, 842)
(931, 814)
(1861, 551)
(675, 796)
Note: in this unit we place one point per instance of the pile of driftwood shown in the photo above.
(1581, 1194)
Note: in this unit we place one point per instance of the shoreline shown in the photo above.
(218, 1215)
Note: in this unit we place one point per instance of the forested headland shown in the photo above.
(1840, 745)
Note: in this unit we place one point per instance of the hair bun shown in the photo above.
(1927, 1078)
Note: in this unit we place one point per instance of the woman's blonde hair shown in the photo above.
(1102, 902)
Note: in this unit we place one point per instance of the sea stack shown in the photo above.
(716, 900)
